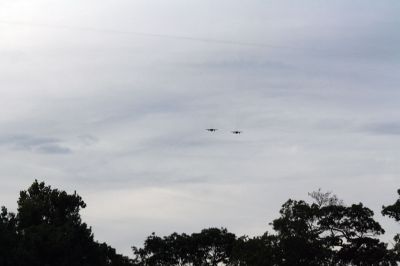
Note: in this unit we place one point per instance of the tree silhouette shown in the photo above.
(8, 238)
(327, 232)
(211, 246)
(48, 230)
(299, 235)
(260, 250)
(393, 211)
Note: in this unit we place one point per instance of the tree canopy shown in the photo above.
(324, 232)
(47, 230)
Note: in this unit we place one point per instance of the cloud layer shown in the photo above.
(90, 105)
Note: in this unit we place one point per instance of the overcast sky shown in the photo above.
(112, 98)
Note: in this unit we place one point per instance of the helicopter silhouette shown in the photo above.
(212, 129)
(236, 132)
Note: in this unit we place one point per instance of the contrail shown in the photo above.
(154, 35)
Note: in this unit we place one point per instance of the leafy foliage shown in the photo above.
(209, 247)
(325, 232)
(393, 211)
(8, 238)
(48, 230)
(259, 250)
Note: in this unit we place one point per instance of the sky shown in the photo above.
(112, 99)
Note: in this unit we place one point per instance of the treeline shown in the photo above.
(324, 232)
(47, 230)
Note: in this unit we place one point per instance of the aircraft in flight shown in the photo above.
(211, 129)
(237, 132)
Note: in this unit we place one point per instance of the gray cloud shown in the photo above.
(388, 128)
(130, 111)
(246, 63)
(35, 144)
